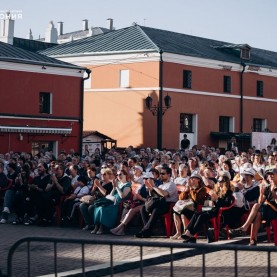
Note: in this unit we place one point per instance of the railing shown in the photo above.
(189, 251)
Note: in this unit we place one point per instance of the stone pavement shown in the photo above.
(126, 258)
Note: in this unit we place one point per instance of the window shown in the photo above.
(245, 53)
(257, 125)
(227, 84)
(186, 123)
(260, 88)
(45, 105)
(124, 78)
(187, 77)
(224, 124)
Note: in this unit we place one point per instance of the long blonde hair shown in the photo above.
(221, 191)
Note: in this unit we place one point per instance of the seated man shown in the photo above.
(36, 194)
(60, 184)
(168, 191)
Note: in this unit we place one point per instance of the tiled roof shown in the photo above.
(122, 40)
(138, 39)
(31, 45)
(12, 53)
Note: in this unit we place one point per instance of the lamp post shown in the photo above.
(159, 110)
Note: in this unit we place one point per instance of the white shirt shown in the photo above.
(171, 188)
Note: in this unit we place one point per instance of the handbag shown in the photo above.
(88, 199)
(180, 205)
(239, 199)
(208, 206)
(130, 204)
(153, 202)
(103, 202)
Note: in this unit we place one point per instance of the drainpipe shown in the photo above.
(81, 120)
(241, 96)
(160, 105)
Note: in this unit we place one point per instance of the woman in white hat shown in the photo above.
(266, 209)
(249, 186)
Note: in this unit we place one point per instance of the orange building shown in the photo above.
(217, 89)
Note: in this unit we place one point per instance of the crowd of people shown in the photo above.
(107, 191)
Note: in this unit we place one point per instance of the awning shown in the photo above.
(35, 130)
(223, 135)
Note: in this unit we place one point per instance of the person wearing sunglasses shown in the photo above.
(133, 206)
(168, 191)
(99, 189)
(105, 215)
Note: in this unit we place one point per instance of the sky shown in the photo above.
(235, 21)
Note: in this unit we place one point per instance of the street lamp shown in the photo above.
(156, 109)
(159, 110)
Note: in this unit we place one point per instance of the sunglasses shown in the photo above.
(104, 174)
(163, 173)
(120, 174)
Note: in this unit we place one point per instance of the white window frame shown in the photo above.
(124, 78)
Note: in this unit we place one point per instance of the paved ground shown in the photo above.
(97, 257)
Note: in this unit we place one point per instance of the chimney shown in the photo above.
(51, 34)
(30, 35)
(110, 24)
(85, 25)
(60, 28)
(7, 29)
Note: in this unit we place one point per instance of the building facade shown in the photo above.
(41, 102)
(217, 89)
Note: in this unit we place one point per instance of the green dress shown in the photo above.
(107, 215)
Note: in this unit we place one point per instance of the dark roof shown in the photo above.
(95, 133)
(142, 39)
(122, 40)
(11, 53)
(31, 45)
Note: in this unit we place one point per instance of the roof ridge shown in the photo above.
(147, 37)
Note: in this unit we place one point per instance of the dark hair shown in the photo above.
(167, 169)
(82, 179)
(92, 168)
(134, 159)
(229, 163)
(45, 165)
(12, 166)
(154, 170)
(75, 167)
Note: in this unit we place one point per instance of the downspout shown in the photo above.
(241, 97)
(81, 120)
(160, 105)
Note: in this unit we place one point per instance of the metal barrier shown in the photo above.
(194, 249)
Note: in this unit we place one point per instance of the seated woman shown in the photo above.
(196, 191)
(70, 203)
(99, 189)
(221, 196)
(265, 209)
(106, 214)
(137, 202)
